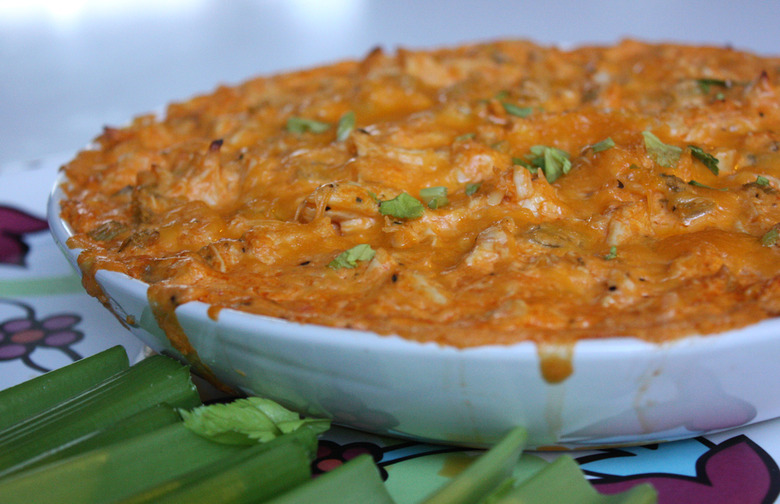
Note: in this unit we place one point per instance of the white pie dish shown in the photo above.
(622, 390)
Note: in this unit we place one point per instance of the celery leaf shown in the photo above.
(402, 206)
(434, 197)
(247, 421)
(349, 258)
(663, 154)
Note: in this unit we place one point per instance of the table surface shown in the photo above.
(70, 67)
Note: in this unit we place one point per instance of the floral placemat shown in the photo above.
(47, 321)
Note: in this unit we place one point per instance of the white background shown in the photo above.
(69, 67)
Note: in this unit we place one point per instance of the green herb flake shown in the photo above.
(603, 145)
(708, 160)
(349, 258)
(556, 163)
(345, 126)
(553, 162)
(403, 206)
(770, 237)
(516, 110)
(699, 184)
(525, 164)
(465, 136)
(612, 253)
(664, 155)
(762, 181)
(247, 421)
(500, 146)
(706, 84)
(434, 197)
(472, 188)
(300, 125)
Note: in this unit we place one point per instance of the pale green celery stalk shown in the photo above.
(152, 418)
(153, 381)
(355, 482)
(485, 474)
(117, 471)
(44, 391)
(563, 481)
(252, 475)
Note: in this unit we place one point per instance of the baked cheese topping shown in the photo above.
(482, 194)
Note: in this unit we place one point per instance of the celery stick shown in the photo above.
(44, 391)
(251, 475)
(117, 471)
(486, 473)
(640, 494)
(563, 481)
(142, 422)
(356, 482)
(155, 380)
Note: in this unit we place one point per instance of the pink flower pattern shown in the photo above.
(14, 224)
(19, 337)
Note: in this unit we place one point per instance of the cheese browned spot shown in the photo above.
(597, 192)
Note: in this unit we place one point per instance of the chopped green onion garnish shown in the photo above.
(516, 110)
(302, 125)
(603, 145)
(612, 253)
(708, 160)
(663, 154)
(762, 181)
(345, 126)
(349, 258)
(402, 206)
(473, 187)
(434, 197)
(465, 136)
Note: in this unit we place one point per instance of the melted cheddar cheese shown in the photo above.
(629, 190)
